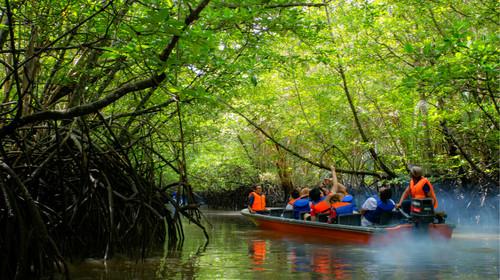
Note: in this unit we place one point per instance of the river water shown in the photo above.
(239, 250)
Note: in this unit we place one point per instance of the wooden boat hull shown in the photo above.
(345, 233)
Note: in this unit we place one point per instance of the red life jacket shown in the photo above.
(417, 190)
(259, 202)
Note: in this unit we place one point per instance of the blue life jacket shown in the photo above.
(299, 206)
(344, 210)
(348, 209)
(348, 198)
(374, 215)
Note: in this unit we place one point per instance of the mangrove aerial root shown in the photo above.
(64, 195)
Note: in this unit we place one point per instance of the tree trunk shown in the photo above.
(284, 173)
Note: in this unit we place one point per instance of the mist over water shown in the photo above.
(470, 209)
(416, 249)
(421, 257)
(468, 205)
(470, 252)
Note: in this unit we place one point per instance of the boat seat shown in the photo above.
(349, 219)
(273, 212)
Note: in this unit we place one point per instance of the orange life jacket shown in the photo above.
(259, 202)
(340, 204)
(321, 207)
(417, 190)
(292, 201)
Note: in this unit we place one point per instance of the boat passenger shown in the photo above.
(346, 205)
(341, 207)
(352, 203)
(294, 195)
(419, 188)
(301, 205)
(324, 191)
(321, 205)
(257, 201)
(375, 206)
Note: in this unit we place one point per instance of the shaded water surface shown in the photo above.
(239, 250)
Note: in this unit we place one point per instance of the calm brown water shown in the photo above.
(239, 250)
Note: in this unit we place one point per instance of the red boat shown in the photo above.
(348, 227)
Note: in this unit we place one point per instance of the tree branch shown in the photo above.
(57, 39)
(317, 164)
(446, 131)
(114, 96)
(273, 6)
(83, 109)
(15, 65)
(194, 15)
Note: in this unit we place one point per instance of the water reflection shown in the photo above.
(324, 263)
(257, 252)
(299, 260)
(174, 265)
(239, 250)
(321, 261)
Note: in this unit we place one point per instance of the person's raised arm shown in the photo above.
(335, 181)
(337, 187)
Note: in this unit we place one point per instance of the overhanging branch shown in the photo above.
(273, 6)
(312, 162)
(112, 97)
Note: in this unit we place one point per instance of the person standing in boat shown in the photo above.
(257, 201)
(374, 207)
(419, 188)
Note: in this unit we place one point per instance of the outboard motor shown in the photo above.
(422, 213)
(422, 210)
